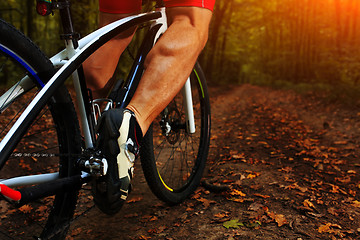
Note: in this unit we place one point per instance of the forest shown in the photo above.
(302, 43)
(283, 161)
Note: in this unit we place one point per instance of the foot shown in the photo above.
(119, 140)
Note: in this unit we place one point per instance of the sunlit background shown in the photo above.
(310, 44)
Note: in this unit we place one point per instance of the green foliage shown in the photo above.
(45, 31)
(289, 41)
(251, 41)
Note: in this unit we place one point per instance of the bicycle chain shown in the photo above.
(45, 155)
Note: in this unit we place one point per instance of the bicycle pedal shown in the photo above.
(96, 166)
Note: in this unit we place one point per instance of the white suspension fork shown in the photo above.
(188, 107)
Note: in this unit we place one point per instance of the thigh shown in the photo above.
(119, 6)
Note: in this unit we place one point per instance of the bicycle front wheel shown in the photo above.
(173, 160)
(49, 146)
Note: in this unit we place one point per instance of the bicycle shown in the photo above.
(44, 158)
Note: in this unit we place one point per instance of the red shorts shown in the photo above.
(131, 6)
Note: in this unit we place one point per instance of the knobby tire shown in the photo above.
(55, 131)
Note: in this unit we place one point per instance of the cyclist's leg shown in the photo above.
(100, 66)
(99, 69)
(168, 65)
(170, 62)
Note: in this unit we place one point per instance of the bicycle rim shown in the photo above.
(48, 146)
(173, 159)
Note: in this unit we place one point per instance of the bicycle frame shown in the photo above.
(69, 60)
(60, 60)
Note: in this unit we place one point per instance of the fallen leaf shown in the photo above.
(308, 204)
(42, 209)
(324, 228)
(220, 217)
(251, 176)
(356, 203)
(143, 237)
(271, 214)
(227, 181)
(262, 196)
(286, 169)
(152, 231)
(154, 218)
(135, 199)
(206, 202)
(238, 156)
(235, 192)
(327, 228)
(232, 224)
(352, 192)
(335, 189)
(146, 218)
(296, 186)
(197, 194)
(26, 209)
(255, 206)
(345, 179)
(233, 199)
(76, 231)
(280, 219)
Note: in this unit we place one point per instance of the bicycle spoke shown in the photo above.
(13, 118)
(3, 64)
(178, 158)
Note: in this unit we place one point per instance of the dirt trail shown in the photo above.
(291, 165)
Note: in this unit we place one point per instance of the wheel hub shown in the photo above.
(171, 125)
